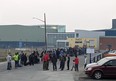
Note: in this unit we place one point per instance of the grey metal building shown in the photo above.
(26, 36)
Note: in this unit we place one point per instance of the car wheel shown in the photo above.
(97, 75)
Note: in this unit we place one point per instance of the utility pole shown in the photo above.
(45, 29)
(45, 32)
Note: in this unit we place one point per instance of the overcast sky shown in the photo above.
(75, 14)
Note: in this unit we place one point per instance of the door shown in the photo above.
(109, 68)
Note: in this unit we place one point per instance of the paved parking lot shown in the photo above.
(35, 73)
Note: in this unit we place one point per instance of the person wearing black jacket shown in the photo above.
(54, 61)
(25, 59)
(31, 59)
(68, 61)
(63, 59)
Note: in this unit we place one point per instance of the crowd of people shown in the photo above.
(46, 57)
(60, 55)
(21, 59)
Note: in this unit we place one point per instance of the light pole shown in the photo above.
(45, 29)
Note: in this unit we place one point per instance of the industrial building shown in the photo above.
(18, 36)
(14, 36)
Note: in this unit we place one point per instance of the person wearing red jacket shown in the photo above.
(46, 61)
(76, 60)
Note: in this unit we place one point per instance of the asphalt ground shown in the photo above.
(35, 73)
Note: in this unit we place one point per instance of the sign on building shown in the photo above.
(90, 50)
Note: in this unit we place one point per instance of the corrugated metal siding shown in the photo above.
(12, 35)
(16, 44)
(23, 33)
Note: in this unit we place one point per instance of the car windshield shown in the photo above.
(102, 61)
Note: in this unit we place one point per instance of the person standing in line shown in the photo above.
(68, 61)
(25, 59)
(16, 59)
(76, 60)
(54, 62)
(63, 59)
(41, 56)
(60, 61)
(60, 58)
(85, 61)
(58, 53)
(9, 59)
(22, 58)
(19, 59)
(46, 61)
(73, 65)
(31, 59)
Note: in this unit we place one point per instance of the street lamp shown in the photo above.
(45, 28)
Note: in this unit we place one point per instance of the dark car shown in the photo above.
(105, 67)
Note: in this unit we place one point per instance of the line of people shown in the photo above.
(63, 58)
(53, 56)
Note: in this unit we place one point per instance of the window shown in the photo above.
(77, 35)
(114, 62)
(111, 63)
(67, 43)
(78, 42)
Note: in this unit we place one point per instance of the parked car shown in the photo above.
(105, 67)
(111, 53)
